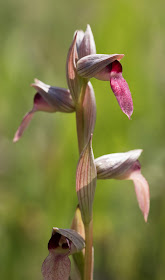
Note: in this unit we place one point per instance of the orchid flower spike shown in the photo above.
(125, 166)
(62, 243)
(47, 99)
(108, 68)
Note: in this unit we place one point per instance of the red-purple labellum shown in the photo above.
(121, 89)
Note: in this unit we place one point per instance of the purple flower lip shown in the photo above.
(121, 89)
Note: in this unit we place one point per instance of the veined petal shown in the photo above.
(113, 166)
(87, 45)
(59, 98)
(75, 238)
(56, 267)
(141, 189)
(24, 124)
(74, 81)
(86, 182)
(39, 105)
(121, 89)
(91, 65)
(62, 243)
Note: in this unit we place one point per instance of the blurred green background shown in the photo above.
(37, 174)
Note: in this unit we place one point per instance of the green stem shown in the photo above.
(88, 268)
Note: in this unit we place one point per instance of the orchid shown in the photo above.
(82, 64)
(47, 99)
(121, 166)
(125, 166)
(108, 68)
(62, 243)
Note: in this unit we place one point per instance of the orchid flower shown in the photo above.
(63, 242)
(83, 62)
(108, 68)
(121, 166)
(47, 99)
(125, 166)
(54, 99)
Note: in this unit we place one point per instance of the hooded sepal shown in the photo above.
(58, 98)
(125, 166)
(86, 182)
(95, 65)
(63, 242)
(113, 166)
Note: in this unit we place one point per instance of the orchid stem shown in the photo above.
(88, 267)
(80, 119)
(88, 262)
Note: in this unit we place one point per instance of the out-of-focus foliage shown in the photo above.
(37, 174)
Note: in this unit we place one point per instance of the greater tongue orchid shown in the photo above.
(82, 64)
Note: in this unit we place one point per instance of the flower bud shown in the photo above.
(77, 223)
(86, 43)
(94, 65)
